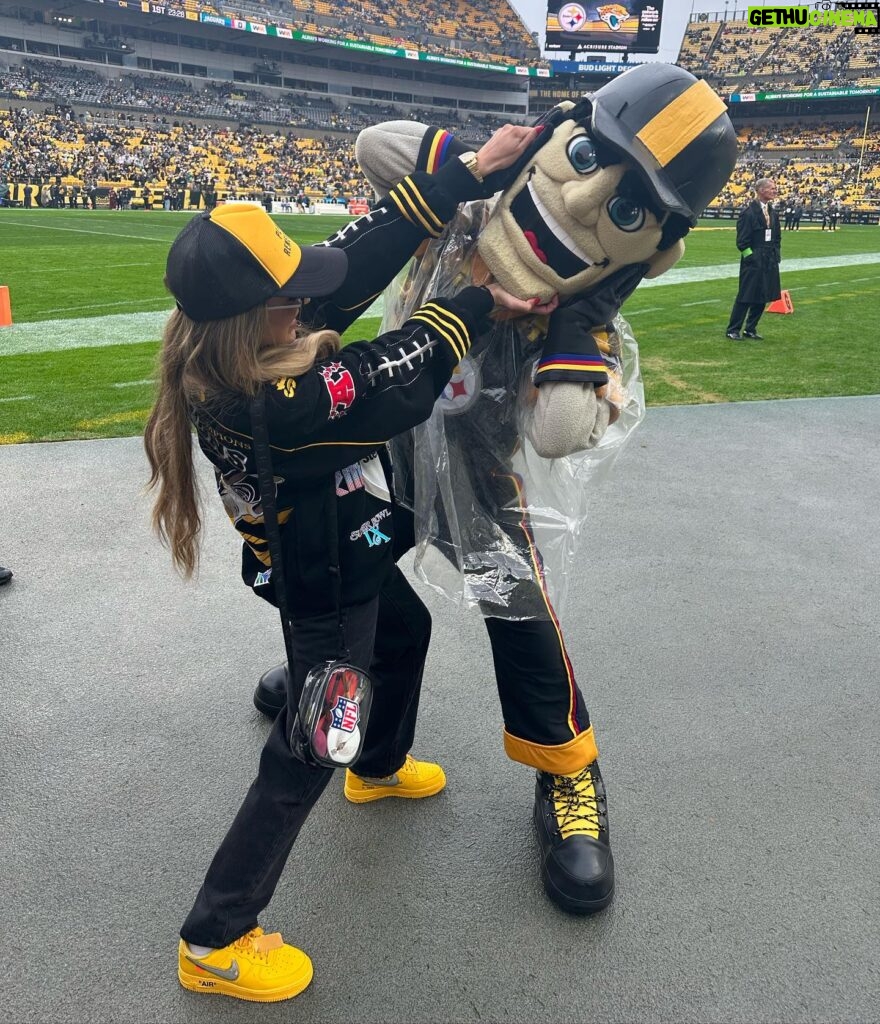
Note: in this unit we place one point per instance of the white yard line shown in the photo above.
(104, 266)
(18, 398)
(84, 231)
(89, 332)
(690, 275)
(126, 328)
(107, 305)
(134, 383)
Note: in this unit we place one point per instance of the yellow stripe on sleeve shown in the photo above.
(441, 330)
(595, 368)
(400, 191)
(411, 187)
(463, 332)
(432, 155)
(450, 323)
(399, 205)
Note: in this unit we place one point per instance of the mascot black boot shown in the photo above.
(572, 824)
(270, 695)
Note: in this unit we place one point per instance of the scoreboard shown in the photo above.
(632, 26)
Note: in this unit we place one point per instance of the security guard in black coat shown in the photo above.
(758, 238)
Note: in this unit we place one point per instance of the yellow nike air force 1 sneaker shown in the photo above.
(571, 820)
(416, 779)
(257, 967)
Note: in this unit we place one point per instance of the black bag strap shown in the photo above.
(266, 479)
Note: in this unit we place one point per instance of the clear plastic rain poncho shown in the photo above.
(496, 525)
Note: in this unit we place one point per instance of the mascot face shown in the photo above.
(576, 213)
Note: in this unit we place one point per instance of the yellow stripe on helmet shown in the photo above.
(677, 125)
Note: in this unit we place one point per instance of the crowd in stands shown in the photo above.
(171, 157)
(482, 30)
(813, 185)
(814, 165)
(823, 135)
(737, 57)
(47, 149)
(53, 81)
(139, 130)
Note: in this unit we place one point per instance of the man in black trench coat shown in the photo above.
(758, 239)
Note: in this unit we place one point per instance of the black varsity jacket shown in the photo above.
(328, 426)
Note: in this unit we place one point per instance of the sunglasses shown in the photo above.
(288, 305)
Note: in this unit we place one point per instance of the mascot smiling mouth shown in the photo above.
(549, 241)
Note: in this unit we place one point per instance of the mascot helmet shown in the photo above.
(674, 128)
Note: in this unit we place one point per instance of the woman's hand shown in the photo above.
(505, 147)
(520, 307)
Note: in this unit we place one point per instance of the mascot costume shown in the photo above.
(491, 482)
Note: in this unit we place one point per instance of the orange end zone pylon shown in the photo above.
(5, 307)
(782, 305)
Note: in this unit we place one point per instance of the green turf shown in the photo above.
(82, 263)
(70, 265)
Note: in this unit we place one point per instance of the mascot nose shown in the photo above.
(584, 199)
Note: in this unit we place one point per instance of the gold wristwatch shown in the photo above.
(470, 161)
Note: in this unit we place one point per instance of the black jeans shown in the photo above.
(749, 311)
(390, 634)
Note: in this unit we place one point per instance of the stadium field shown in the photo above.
(88, 305)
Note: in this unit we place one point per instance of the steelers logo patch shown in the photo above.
(462, 390)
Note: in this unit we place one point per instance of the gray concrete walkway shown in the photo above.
(725, 636)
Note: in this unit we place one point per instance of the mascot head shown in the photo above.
(617, 178)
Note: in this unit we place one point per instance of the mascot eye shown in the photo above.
(626, 214)
(582, 155)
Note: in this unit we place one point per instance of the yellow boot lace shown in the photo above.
(579, 809)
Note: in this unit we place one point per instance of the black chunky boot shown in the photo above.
(572, 825)
(270, 695)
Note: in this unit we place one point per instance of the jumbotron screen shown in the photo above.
(633, 26)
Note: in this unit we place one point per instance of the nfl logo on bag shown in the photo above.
(345, 715)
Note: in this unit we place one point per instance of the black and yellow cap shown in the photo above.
(235, 258)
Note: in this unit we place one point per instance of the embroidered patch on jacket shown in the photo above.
(287, 386)
(340, 386)
(370, 530)
(462, 390)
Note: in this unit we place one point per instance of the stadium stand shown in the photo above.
(482, 30)
(814, 160)
(170, 160)
(186, 139)
(734, 56)
(54, 81)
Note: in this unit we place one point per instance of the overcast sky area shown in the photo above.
(675, 18)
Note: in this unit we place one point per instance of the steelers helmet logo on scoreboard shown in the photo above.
(571, 17)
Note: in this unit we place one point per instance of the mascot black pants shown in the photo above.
(390, 634)
(546, 723)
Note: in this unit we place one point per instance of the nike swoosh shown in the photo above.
(393, 780)
(230, 973)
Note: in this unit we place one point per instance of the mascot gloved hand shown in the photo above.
(601, 201)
